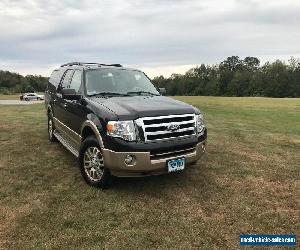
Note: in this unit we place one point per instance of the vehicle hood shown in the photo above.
(133, 107)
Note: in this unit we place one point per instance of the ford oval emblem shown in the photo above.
(173, 127)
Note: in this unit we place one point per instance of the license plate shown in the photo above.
(176, 165)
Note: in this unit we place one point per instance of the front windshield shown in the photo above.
(118, 81)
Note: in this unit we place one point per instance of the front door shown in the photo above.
(76, 110)
(60, 105)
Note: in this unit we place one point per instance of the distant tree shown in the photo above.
(240, 84)
(232, 63)
(232, 77)
(16, 83)
(159, 81)
(280, 80)
(227, 70)
(37, 82)
(251, 63)
(237, 77)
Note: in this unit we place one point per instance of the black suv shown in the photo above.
(118, 124)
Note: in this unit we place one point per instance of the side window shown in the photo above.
(55, 77)
(76, 81)
(67, 78)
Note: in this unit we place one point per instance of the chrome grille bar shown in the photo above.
(167, 127)
(166, 124)
(167, 132)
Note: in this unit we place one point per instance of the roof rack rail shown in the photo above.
(83, 64)
(114, 64)
(70, 64)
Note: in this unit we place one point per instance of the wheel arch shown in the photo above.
(89, 128)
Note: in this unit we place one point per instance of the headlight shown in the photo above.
(199, 123)
(122, 129)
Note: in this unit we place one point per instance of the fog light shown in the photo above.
(129, 160)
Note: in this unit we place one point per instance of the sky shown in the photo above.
(158, 36)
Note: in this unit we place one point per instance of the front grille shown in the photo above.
(167, 127)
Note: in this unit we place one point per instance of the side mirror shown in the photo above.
(163, 91)
(70, 94)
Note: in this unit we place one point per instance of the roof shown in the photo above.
(92, 66)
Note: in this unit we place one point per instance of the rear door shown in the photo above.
(50, 93)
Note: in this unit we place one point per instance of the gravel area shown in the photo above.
(18, 102)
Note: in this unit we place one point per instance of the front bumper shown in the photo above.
(144, 163)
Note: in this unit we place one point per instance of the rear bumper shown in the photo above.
(144, 164)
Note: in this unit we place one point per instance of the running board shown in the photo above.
(64, 142)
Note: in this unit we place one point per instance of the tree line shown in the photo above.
(236, 77)
(15, 83)
(232, 77)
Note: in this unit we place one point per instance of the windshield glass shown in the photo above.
(118, 81)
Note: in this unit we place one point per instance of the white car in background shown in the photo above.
(31, 96)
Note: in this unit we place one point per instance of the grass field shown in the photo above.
(247, 183)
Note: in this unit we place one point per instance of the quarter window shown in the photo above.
(55, 77)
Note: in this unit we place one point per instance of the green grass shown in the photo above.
(248, 182)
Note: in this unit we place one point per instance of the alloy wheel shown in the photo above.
(93, 163)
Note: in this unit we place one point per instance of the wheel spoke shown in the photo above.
(94, 174)
(87, 165)
(89, 152)
(99, 172)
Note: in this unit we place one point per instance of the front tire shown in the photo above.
(51, 128)
(92, 164)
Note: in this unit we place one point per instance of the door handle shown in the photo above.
(65, 105)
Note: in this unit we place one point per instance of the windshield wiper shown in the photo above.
(109, 94)
(141, 92)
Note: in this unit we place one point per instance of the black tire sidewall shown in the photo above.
(105, 181)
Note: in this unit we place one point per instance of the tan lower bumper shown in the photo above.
(143, 165)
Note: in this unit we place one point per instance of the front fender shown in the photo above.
(95, 125)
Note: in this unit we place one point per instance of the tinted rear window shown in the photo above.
(55, 77)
